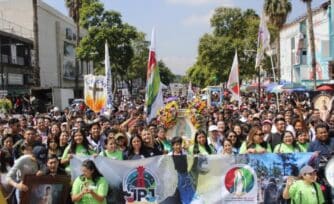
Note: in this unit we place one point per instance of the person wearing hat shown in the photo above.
(305, 190)
(266, 128)
(215, 138)
(29, 164)
(121, 141)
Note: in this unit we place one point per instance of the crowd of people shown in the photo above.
(43, 144)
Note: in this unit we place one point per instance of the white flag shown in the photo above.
(263, 40)
(233, 80)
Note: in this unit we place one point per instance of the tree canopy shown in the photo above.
(233, 30)
(128, 48)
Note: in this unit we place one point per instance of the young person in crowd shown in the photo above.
(255, 143)
(201, 145)
(91, 187)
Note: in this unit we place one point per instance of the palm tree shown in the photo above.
(35, 74)
(311, 40)
(74, 12)
(277, 11)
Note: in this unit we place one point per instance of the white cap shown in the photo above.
(56, 109)
(213, 128)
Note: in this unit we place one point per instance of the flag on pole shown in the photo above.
(233, 80)
(153, 96)
(108, 77)
(263, 40)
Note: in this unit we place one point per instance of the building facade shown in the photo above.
(295, 53)
(57, 37)
(15, 63)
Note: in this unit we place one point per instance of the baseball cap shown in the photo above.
(119, 135)
(306, 169)
(267, 121)
(213, 128)
(40, 153)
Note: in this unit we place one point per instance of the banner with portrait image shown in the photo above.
(201, 179)
(95, 92)
(183, 128)
(215, 96)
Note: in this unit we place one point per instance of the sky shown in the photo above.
(179, 24)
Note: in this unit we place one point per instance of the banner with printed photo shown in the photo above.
(215, 96)
(95, 92)
(183, 128)
(252, 178)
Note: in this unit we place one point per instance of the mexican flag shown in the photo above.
(153, 97)
(233, 80)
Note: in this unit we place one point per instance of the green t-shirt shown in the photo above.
(303, 147)
(301, 192)
(257, 147)
(118, 155)
(201, 149)
(80, 150)
(284, 148)
(100, 188)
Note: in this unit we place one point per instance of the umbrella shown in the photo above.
(277, 89)
(172, 98)
(254, 86)
(293, 86)
(325, 88)
(271, 86)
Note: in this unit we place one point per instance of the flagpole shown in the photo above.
(239, 101)
(274, 75)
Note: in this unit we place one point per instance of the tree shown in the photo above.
(166, 75)
(36, 69)
(74, 12)
(277, 11)
(311, 40)
(232, 30)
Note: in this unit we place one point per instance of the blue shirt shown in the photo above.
(325, 148)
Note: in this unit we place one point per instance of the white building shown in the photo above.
(56, 41)
(295, 50)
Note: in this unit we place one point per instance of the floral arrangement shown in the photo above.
(198, 110)
(5, 105)
(167, 115)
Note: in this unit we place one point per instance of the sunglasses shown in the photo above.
(312, 173)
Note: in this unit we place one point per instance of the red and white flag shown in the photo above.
(233, 80)
(153, 97)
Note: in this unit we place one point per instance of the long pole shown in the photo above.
(76, 79)
(2, 69)
(259, 85)
(274, 75)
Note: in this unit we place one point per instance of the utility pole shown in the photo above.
(36, 77)
(77, 19)
(2, 68)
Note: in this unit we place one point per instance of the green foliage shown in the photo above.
(166, 75)
(5, 105)
(233, 30)
(128, 48)
(277, 11)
